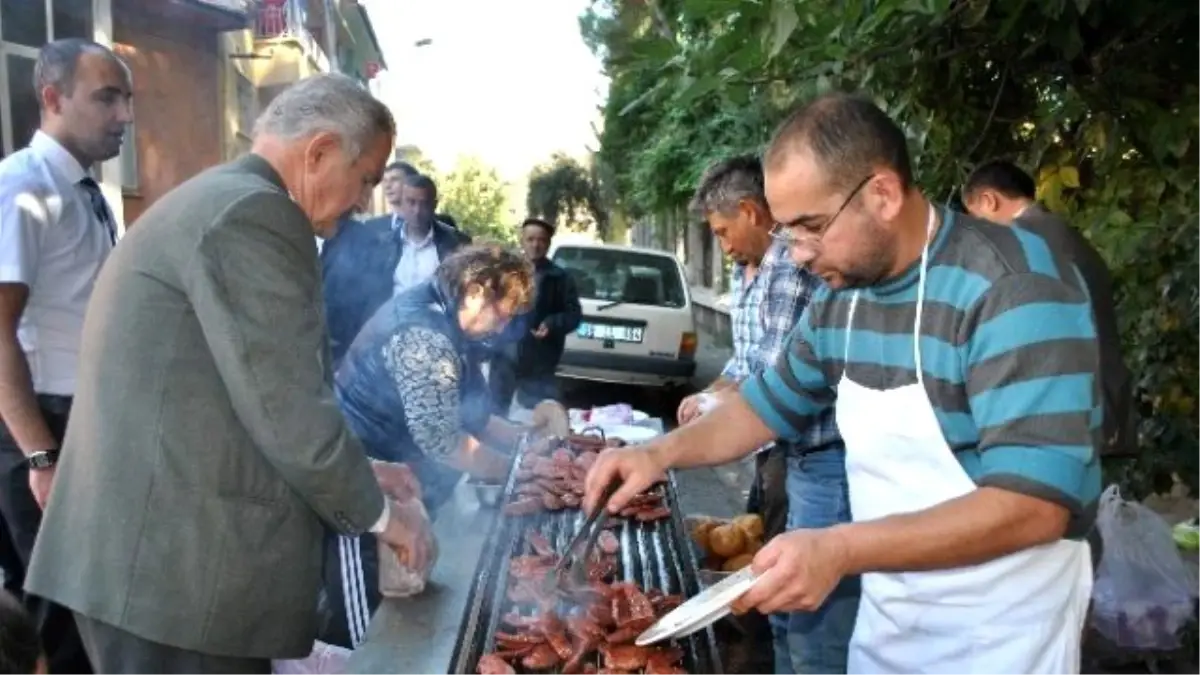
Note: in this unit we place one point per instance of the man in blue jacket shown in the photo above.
(368, 262)
(528, 353)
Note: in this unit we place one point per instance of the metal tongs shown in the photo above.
(576, 566)
(586, 431)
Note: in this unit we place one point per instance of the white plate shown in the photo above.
(701, 611)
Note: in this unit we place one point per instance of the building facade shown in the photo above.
(202, 70)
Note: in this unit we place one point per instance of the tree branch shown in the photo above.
(991, 113)
(659, 19)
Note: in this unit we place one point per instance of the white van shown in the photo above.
(637, 327)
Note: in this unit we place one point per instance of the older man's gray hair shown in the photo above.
(327, 103)
(725, 184)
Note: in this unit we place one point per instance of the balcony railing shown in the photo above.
(289, 19)
(281, 19)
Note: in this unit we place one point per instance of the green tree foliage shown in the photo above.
(1097, 97)
(567, 194)
(474, 194)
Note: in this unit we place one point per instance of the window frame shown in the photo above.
(25, 51)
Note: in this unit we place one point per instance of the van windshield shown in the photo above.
(620, 276)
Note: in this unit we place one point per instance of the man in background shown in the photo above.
(1002, 192)
(56, 231)
(796, 485)
(527, 354)
(368, 262)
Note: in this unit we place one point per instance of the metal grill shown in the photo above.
(652, 555)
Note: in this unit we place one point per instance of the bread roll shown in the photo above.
(727, 541)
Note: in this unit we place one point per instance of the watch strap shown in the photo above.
(43, 459)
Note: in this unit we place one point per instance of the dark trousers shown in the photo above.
(505, 381)
(350, 593)
(117, 651)
(20, 518)
(502, 384)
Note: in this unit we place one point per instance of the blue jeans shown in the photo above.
(818, 497)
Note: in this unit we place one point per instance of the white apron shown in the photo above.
(1022, 613)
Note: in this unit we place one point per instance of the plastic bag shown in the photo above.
(397, 580)
(325, 659)
(617, 413)
(1143, 592)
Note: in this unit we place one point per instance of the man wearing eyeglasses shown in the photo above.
(800, 484)
(961, 360)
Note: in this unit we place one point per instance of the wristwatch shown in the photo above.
(43, 459)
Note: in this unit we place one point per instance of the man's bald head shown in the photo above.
(847, 136)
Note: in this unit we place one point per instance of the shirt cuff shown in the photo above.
(381, 524)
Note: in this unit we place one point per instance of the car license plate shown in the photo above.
(603, 331)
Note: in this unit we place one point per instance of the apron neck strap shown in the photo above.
(929, 227)
(921, 293)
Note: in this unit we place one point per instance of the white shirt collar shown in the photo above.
(398, 223)
(61, 160)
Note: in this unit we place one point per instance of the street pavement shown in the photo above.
(718, 491)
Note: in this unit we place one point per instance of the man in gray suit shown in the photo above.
(205, 449)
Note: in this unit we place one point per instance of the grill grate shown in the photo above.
(652, 555)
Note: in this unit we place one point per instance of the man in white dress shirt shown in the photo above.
(55, 232)
(415, 225)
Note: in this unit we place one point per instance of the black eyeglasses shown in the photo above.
(811, 238)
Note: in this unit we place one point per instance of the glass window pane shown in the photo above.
(617, 275)
(24, 21)
(72, 19)
(25, 116)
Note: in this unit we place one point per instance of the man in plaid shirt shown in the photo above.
(796, 486)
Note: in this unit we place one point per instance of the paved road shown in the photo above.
(719, 491)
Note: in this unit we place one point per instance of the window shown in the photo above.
(24, 22)
(26, 25)
(25, 116)
(72, 18)
(620, 275)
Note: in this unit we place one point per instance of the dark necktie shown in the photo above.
(100, 207)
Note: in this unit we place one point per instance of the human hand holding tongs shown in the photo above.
(576, 566)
